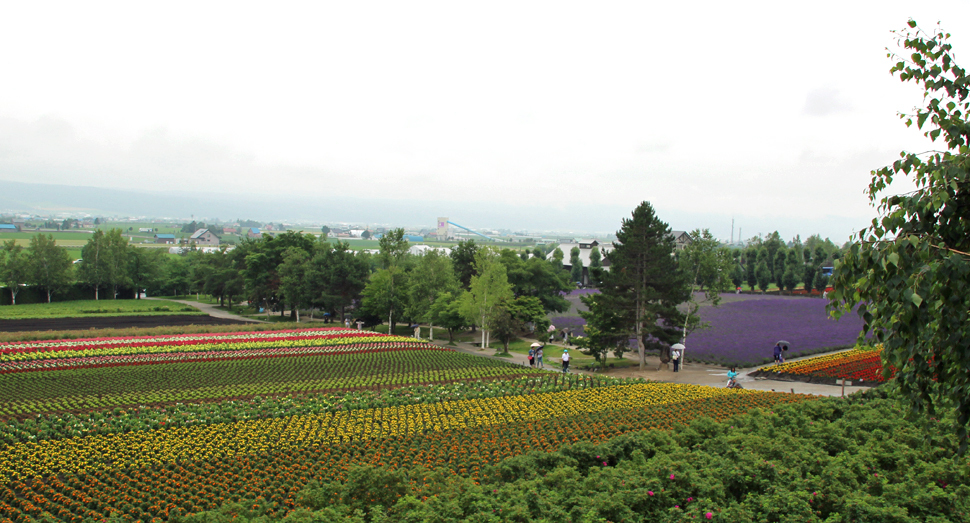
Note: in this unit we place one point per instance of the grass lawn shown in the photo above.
(554, 351)
(87, 308)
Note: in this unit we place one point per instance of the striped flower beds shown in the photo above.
(319, 338)
(164, 472)
(862, 364)
(151, 429)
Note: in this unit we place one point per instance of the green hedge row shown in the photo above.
(75, 291)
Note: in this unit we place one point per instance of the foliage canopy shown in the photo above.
(911, 266)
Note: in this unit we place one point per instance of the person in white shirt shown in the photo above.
(565, 361)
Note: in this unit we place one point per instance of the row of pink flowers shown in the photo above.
(183, 357)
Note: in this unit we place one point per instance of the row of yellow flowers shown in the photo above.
(362, 338)
(137, 449)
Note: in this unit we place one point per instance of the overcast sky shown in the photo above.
(770, 113)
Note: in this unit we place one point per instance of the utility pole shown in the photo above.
(732, 231)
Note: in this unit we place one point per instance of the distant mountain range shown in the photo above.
(45, 199)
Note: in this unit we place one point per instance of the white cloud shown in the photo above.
(752, 109)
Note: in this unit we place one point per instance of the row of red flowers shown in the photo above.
(271, 336)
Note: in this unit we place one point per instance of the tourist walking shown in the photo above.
(532, 357)
(539, 364)
(777, 354)
(565, 361)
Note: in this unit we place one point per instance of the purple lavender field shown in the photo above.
(744, 328)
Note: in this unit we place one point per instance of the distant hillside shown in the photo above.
(52, 199)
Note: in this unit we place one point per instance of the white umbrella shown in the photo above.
(678, 346)
(536, 344)
(552, 328)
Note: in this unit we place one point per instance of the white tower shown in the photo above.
(442, 233)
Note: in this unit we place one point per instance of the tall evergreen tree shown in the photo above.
(595, 266)
(575, 265)
(645, 283)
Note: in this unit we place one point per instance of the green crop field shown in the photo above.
(87, 308)
(81, 236)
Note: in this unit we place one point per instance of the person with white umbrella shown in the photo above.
(533, 349)
(676, 353)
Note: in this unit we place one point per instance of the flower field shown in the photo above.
(862, 365)
(152, 429)
(744, 328)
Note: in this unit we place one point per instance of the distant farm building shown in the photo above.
(9, 227)
(681, 239)
(204, 237)
(585, 249)
(165, 238)
(254, 233)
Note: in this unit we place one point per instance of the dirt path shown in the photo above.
(213, 311)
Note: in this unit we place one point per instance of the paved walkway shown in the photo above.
(693, 373)
(212, 310)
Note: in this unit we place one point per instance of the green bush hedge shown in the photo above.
(76, 291)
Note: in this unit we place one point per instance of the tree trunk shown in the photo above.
(95, 293)
(298, 315)
(483, 334)
(13, 294)
(48, 295)
(431, 331)
(641, 348)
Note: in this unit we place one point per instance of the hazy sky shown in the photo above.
(771, 113)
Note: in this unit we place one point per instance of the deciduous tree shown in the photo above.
(910, 269)
(707, 266)
(463, 258)
(50, 266)
(490, 290)
(13, 268)
(446, 312)
(432, 276)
